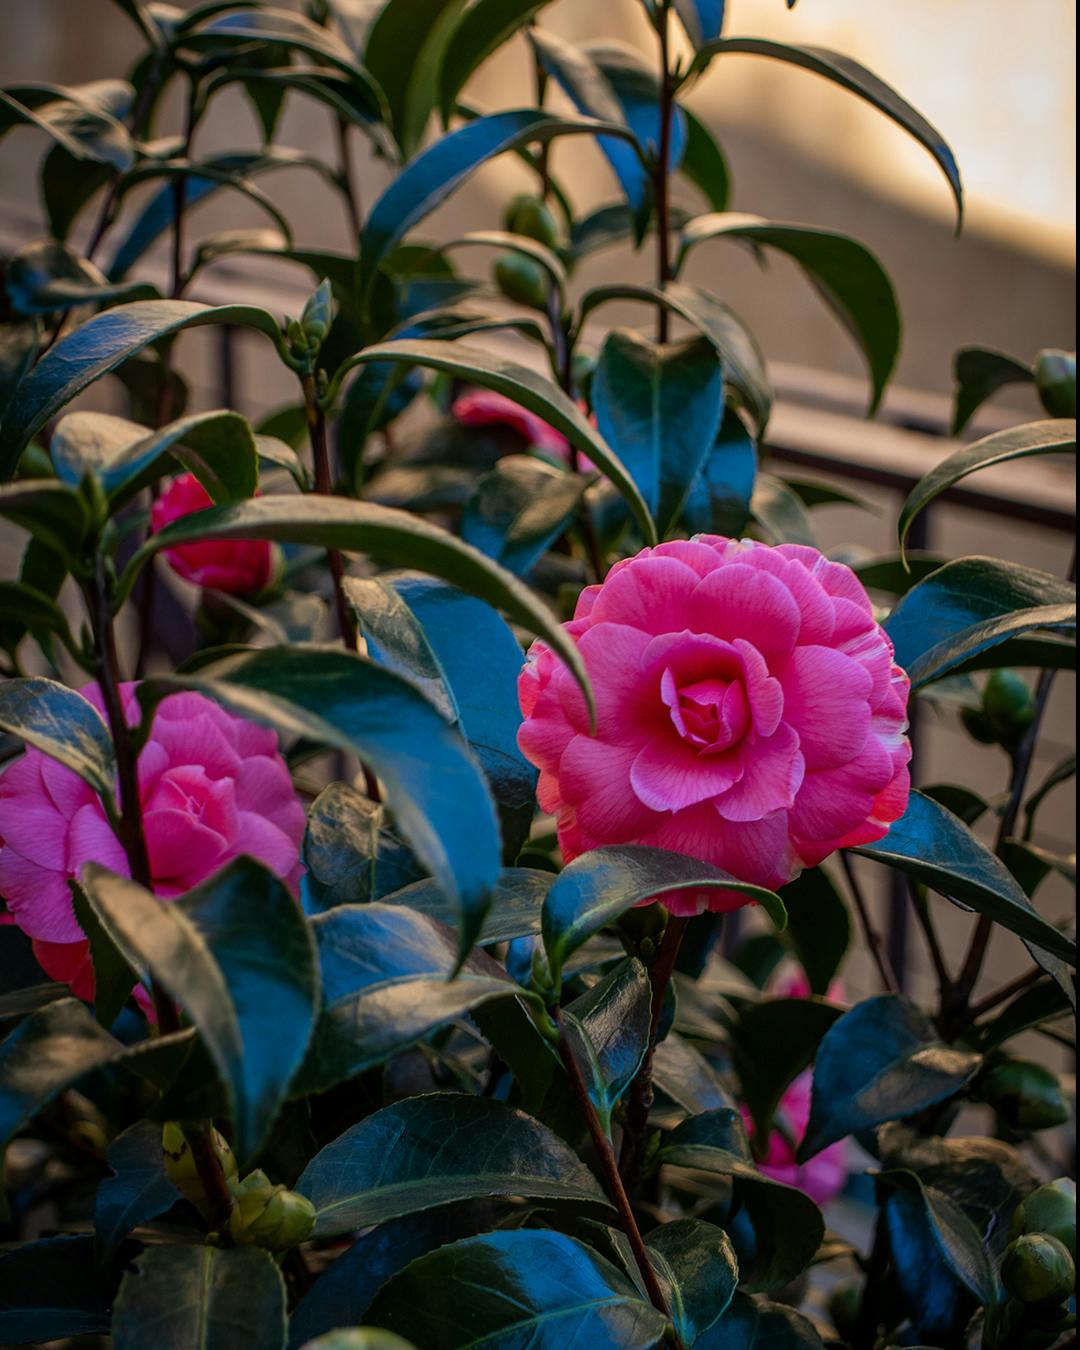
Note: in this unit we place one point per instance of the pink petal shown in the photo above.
(737, 601)
(32, 823)
(181, 847)
(263, 785)
(198, 740)
(261, 839)
(91, 839)
(67, 789)
(773, 770)
(756, 851)
(595, 778)
(649, 593)
(625, 702)
(543, 739)
(38, 897)
(764, 693)
(669, 775)
(825, 700)
(703, 558)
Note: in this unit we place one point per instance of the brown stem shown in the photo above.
(543, 160)
(320, 452)
(641, 1090)
(219, 1197)
(661, 180)
(348, 179)
(1030, 977)
(179, 189)
(606, 1153)
(937, 956)
(874, 939)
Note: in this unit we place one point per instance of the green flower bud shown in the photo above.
(180, 1162)
(358, 1338)
(978, 726)
(1008, 704)
(1037, 1268)
(294, 331)
(529, 216)
(318, 315)
(1025, 1095)
(844, 1305)
(522, 280)
(1049, 1209)
(269, 1215)
(1055, 379)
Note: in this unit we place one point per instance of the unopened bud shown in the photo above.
(521, 280)
(1037, 1268)
(531, 217)
(1025, 1095)
(1008, 703)
(1055, 379)
(1049, 1209)
(358, 1338)
(180, 1165)
(318, 315)
(269, 1215)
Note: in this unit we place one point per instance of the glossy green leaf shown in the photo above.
(970, 605)
(980, 372)
(1044, 1003)
(608, 1030)
(683, 1073)
(719, 498)
(772, 1043)
(524, 386)
(481, 30)
(780, 512)
(27, 609)
(404, 51)
(705, 164)
(63, 725)
(702, 19)
(388, 982)
(596, 888)
(45, 277)
(20, 342)
(437, 171)
(752, 1322)
(51, 1289)
(659, 408)
(786, 1223)
(881, 1061)
(51, 512)
(236, 953)
(896, 575)
(466, 660)
(936, 848)
(78, 123)
(114, 977)
(394, 537)
(45, 1054)
(519, 509)
(515, 905)
(844, 272)
(436, 1150)
(698, 1271)
(99, 346)
(850, 75)
(352, 856)
(740, 357)
(432, 783)
(521, 1290)
(137, 1189)
(357, 104)
(218, 447)
(1057, 436)
(215, 1298)
(818, 927)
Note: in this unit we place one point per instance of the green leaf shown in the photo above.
(52, 1290)
(705, 164)
(51, 512)
(27, 609)
(844, 272)
(351, 855)
(481, 30)
(980, 372)
(752, 1322)
(850, 75)
(659, 407)
(684, 1074)
(1056, 436)
(515, 905)
(236, 953)
(97, 347)
(394, 537)
(388, 976)
(1046, 1002)
(524, 386)
(881, 1061)
(896, 575)
(967, 607)
(740, 357)
(596, 888)
(218, 447)
(437, 171)
(515, 1289)
(719, 498)
(698, 1272)
(137, 1190)
(61, 724)
(1060, 773)
(772, 1042)
(66, 184)
(466, 660)
(819, 926)
(519, 509)
(780, 512)
(608, 1029)
(787, 1225)
(211, 1297)
(404, 51)
(114, 978)
(45, 1054)
(20, 343)
(71, 119)
(702, 19)
(439, 1150)
(45, 277)
(432, 783)
(936, 848)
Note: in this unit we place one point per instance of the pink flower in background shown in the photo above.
(213, 786)
(485, 408)
(749, 713)
(826, 1174)
(236, 566)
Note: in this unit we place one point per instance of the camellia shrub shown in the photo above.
(365, 980)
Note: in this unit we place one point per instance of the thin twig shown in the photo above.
(320, 452)
(348, 180)
(1022, 982)
(922, 915)
(874, 940)
(661, 179)
(616, 1190)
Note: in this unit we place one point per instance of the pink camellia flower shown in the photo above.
(749, 713)
(825, 1175)
(236, 566)
(485, 408)
(213, 786)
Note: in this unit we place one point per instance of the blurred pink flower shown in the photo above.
(749, 713)
(213, 786)
(236, 566)
(485, 408)
(826, 1174)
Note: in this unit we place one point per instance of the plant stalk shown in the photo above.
(661, 174)
(606, 1153)
(874, 940)
(320, 453)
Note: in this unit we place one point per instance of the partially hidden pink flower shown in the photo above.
(485, 408)
(235, 566)
(749, 713)
(825, 1175)
(212, 785)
